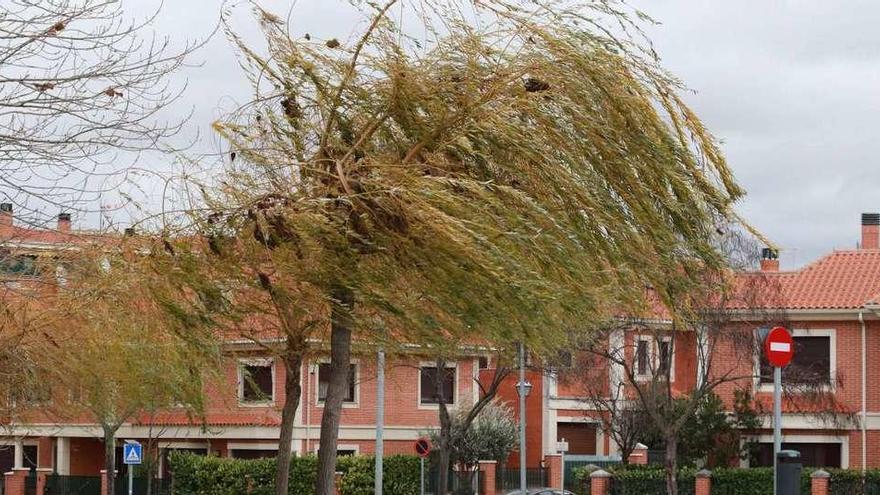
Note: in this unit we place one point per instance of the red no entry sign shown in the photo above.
(423, 447)
(778, 347)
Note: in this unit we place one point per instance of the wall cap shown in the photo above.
(600, 474)
(20, 469)
(640, 446)
(487, 462)
(703, 473)
(820, 473)
(44, 470)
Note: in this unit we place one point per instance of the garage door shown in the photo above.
(581, 437)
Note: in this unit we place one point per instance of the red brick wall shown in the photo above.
(534, 415)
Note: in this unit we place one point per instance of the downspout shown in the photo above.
(864, 394)
(308, 403)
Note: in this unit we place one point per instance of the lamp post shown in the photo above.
(522, 388)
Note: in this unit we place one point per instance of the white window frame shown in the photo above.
(653, 356)
(455, 391)
(357, 384)
(831, 333)
(242, 362)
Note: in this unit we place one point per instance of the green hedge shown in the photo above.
(200, 475)
(734, 481)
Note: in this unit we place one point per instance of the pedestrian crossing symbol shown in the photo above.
(132, 453)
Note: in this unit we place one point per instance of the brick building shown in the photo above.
(832, 305)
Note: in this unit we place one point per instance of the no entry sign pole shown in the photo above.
(779, 349)
(777, 421)
(423, 449)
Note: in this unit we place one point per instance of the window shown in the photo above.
(21, 265)
(664, 361)
(811, 362)
(257, 382)
(484, 362)
(825, 455)
(564, 359)
(642, 365)
(654, 355)
(324, 382)
(429, 393)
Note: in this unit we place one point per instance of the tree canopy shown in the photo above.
(504, 172)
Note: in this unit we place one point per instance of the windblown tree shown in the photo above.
(503, 166)
(115, 355)
(82, 88)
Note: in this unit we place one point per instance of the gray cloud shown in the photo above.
(789, 87)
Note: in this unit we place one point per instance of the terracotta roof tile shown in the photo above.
(840, 280)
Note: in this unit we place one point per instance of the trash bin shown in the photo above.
(788, 472)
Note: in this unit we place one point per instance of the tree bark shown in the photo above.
(110, 457)
(671, 464)
(340, 359)
(293, 360)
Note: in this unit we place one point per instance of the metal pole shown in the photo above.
(380, 418)
(522, 418)
(422, 476)
(563, 472)
(777, 422)
(130, 480)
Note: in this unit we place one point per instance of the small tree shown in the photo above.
(490, 435)
(119, 356)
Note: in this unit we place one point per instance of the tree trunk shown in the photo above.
(671, 464)
(340, 359)
(445, 437)
(293, 360)
(110, 457)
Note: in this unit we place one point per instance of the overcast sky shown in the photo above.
(789, 87)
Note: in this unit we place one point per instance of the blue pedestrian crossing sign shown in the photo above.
(132, 452)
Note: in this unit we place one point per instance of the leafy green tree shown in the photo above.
(506, 165)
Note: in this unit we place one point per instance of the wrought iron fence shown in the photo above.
(155, 486)
(458, 482)
(853, 486)
(509, 478)
(57, 484)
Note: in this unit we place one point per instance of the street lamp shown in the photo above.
(522, 389)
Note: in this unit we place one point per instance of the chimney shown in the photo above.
(64, 222)
(769, 260)
(870, 231)
(5, 216)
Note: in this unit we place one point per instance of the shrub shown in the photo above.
(200, 475)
